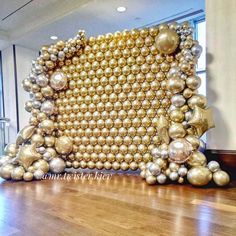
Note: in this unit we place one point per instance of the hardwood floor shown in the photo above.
(122, 205)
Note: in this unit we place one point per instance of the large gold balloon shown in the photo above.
(64, 145)
(167, 41)
(197, 159)
(199, 176)
(27, 155)
(221, 178)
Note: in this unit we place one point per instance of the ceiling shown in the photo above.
(31, 23)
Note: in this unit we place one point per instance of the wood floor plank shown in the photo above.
(123, 205)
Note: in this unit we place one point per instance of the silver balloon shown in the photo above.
(188, 115)
(161, 179)
(164, 154)
(38, 174)
(155, 152)
(47, 107)
(173, 176)
(174, 72)
(149, 164)
(32, 77)
(57, 165)
(182, 171)
(58, 80)
(38, 69)
(196, 50)
(155, 169)
(178, 100)
(42, 80)
(180, 150)
(36, 104)
(213, 166)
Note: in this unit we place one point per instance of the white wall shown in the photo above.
(23, 60)
(221, 76)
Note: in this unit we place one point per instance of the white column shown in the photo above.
(221, 72)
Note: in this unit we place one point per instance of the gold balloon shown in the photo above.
(37, 139)
(167, 41)
(28, 176)
(11, 150)
(175, 85)
(202, 120)
(49, 141)
(64, 145)
(47, 126)
(42, 165)
(6, 170)
(195, 142)
(25, 134)
(221, 178)
(199, 176)
(27, 155)
(197, 159)
(17, 173)
(177, 130)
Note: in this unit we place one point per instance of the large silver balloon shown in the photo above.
(58, 80)
(57, 165)
(47, 107)
(42, 80)
(180, 150)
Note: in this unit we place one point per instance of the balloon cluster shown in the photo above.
(126, 100)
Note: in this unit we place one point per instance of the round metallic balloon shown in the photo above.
(58, 80)
(199, 176)
(57, 165)
(64, 145)
(197, 159)
(221, 178)
(167, 41)
(180, 150)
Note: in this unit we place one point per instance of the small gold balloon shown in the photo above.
(167, 41)
(221, 178)
(28, 176)
(17, 173)
(177, 130)
(6, 170)
(11, 150)
(37, 139)
(64, 145)
(47, 126)
(199, 176)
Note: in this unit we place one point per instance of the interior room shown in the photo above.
(117, 117)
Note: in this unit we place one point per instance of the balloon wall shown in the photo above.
(126, 101)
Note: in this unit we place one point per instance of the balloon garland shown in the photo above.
(126, 100)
